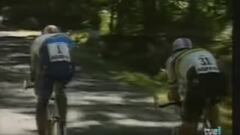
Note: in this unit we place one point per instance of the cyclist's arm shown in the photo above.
(32, 64)
(172, 78)
(172, 82)
(173, 94)
(73, 53)
(34, 58)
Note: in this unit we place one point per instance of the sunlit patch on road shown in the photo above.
(15, 123)
(138, 123)
(20, 33)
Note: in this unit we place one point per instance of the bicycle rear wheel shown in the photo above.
(55, 125)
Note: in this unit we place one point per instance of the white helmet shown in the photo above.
(51, 29)
(181, 43)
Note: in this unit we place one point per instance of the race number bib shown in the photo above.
(206, 64)
(58, 51)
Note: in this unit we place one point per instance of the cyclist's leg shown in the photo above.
(192, 110)
(61, 80)
(61, 103)
(216, 88)
(213, 116)
(193, 105)
(213, 111)
(189, 123)
(44, 91)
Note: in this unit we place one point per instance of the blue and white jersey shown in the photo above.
(39, 41)
(57, 46)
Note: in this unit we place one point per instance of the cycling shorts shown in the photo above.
(202, 90)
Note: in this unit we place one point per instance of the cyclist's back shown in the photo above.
(202, 61)
(197, 67)
(55, 57)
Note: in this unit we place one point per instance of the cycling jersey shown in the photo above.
(181, 62)
(51, 50)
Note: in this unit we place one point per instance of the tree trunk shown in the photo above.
(192, 12)
(113, 12)
(236, 67)
(150, 16)
(122, 11)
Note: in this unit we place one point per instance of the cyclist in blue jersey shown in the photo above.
(195, 79)
(51, 60)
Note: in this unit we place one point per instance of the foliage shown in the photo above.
(132, 25)
(223, 42)
(79, 37)
(156, 84)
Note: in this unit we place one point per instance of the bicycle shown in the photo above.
(203, 124)
(53, 117)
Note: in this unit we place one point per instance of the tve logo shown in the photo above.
(213, 131)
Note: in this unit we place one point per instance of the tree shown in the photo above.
(236, 72)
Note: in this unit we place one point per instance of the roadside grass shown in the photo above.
(155, 85)
(225, 120)
(91, 62)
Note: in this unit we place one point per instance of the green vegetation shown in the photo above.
(157, 83)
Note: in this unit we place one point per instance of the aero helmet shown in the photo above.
(181, 43)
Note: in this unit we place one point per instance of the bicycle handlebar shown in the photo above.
(178, 103)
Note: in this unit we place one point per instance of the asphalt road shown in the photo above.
(95, 106)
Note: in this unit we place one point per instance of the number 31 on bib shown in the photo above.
(58, 51)
(206, 64)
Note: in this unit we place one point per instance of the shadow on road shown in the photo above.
(14, 58)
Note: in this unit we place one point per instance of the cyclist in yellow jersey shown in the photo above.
(194, 79)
